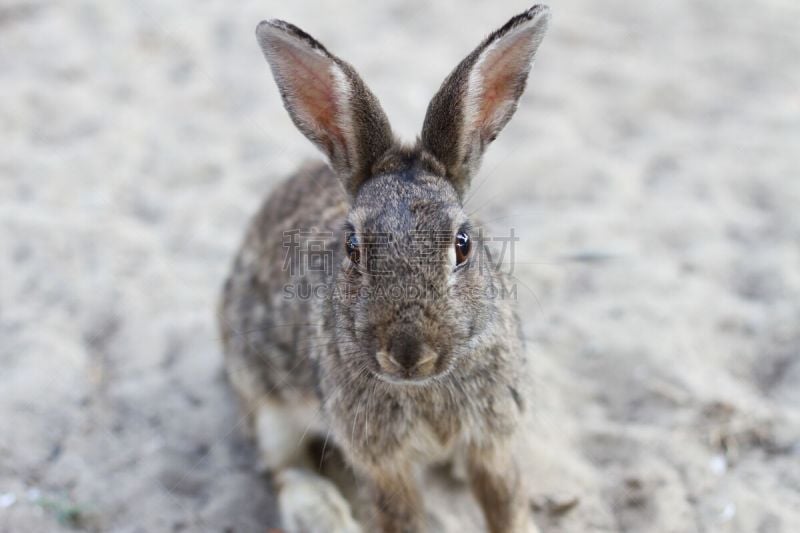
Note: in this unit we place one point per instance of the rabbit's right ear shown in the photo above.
(479, 97)
(327, 101)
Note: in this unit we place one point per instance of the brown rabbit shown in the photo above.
(390, 345)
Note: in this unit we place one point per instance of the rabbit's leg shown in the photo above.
(396, 504)
(308, 502)
(499, 488)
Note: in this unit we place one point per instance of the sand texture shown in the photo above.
(652, 174)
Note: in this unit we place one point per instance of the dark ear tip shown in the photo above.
(265, 26)
(270, 29)
(537, 17)
(537, 11)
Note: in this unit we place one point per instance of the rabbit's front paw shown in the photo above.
(310, 503)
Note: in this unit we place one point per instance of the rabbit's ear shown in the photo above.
(327, 100)
(479, 97)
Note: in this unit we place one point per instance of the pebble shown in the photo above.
(7, 499)
(718, 464)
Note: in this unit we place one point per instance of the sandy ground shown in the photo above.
(652, 174)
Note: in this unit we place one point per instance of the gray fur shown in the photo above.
(388, 421)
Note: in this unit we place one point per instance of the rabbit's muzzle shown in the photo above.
(407, 358)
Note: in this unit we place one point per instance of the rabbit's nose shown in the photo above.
(406, 356)
(405, 349)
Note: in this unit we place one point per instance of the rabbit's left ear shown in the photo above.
(479, 97)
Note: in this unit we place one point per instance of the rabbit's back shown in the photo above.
(269, 317)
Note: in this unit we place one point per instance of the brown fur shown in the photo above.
(468, 397)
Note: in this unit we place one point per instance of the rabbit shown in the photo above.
(391, 350)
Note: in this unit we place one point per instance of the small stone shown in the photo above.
(718, 464)
(728, 512)
(7, 499)
(554, 505)
(561, 504)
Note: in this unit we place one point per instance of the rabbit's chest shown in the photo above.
(428, 444)
(441, 428)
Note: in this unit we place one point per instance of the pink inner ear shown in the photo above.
(502, 72)
(311, 90)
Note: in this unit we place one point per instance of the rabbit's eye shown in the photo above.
(351, 246)
(462, 245)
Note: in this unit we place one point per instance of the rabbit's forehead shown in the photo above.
(392, 205)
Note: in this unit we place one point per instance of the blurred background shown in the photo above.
(652, 174)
